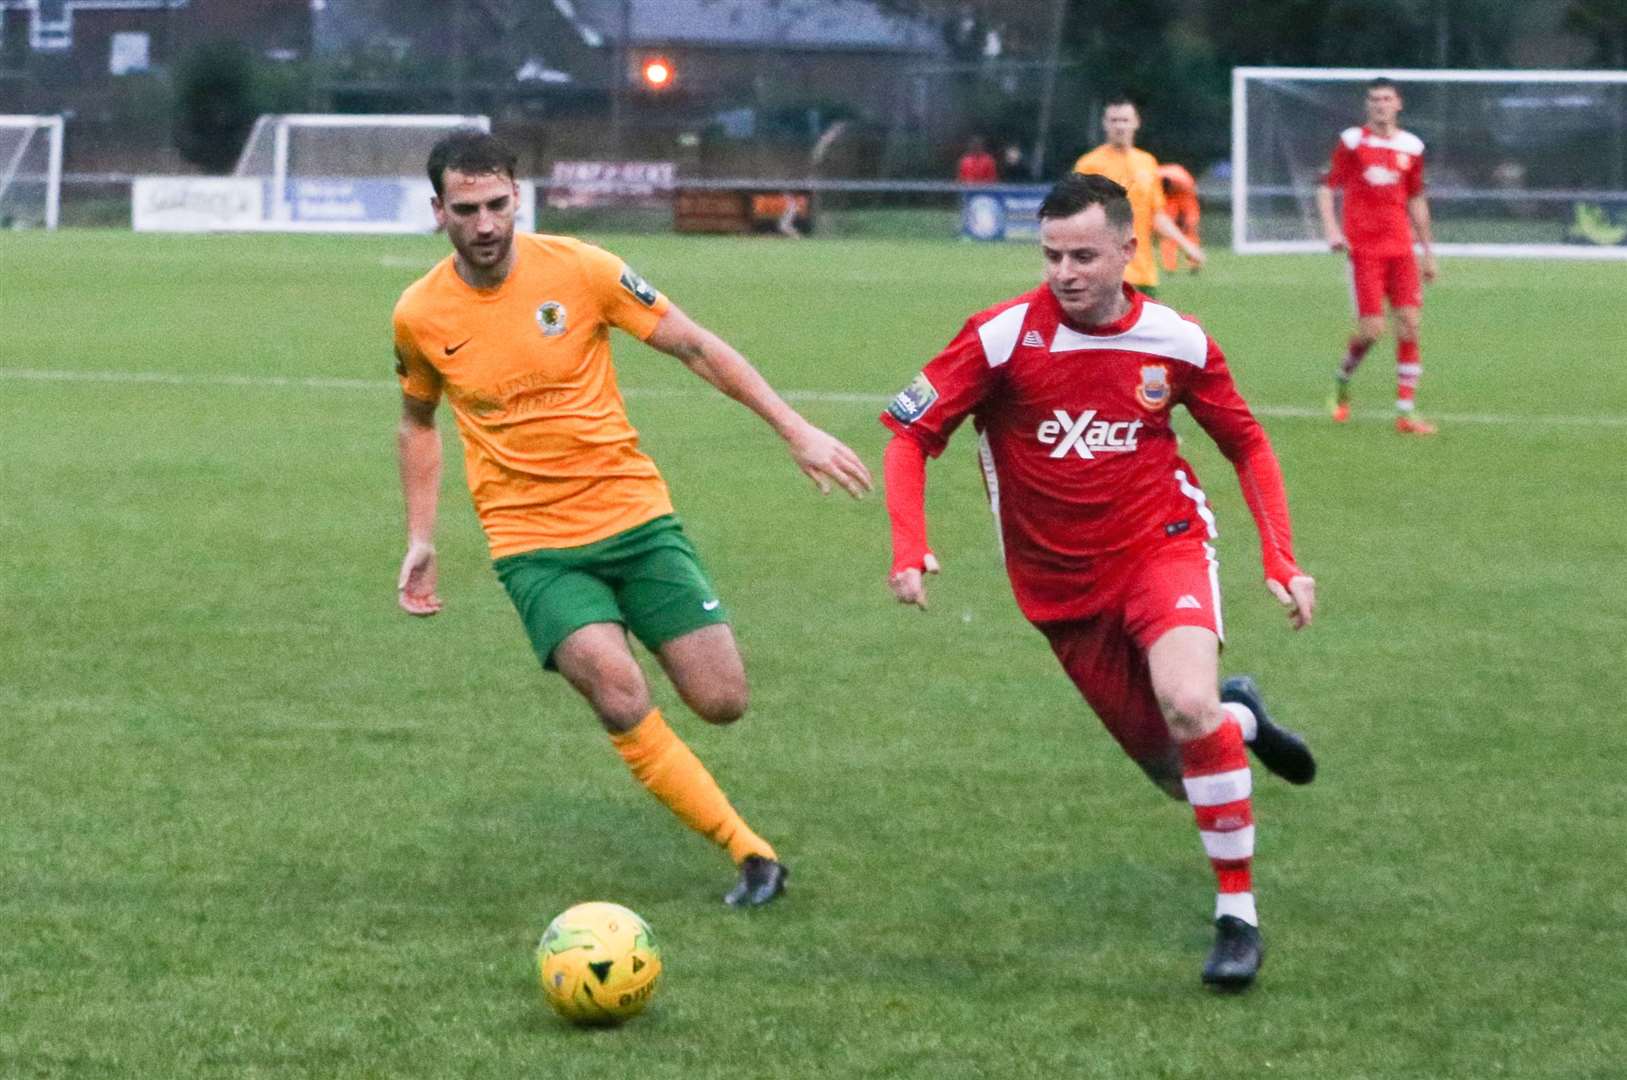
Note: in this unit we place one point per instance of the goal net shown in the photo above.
(1517, 162)
(30, 171)
(346, 173)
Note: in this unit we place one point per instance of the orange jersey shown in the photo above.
(1177, 179)
(1183, 209)
(1180, 202)
(551, 458)
(1137, 172)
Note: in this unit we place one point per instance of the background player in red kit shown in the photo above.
(1105, 530)
(1381, 171)
(977, 165)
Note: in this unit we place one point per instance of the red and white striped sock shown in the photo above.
(1407, 370)
(1247, 723)
(1215, 772)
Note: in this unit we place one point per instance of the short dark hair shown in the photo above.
(471, 151)
(1122, 99)
(1381, 83)
(1077, 192)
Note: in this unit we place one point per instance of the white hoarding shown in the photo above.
(195, 203)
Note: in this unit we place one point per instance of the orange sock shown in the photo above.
(671, 772)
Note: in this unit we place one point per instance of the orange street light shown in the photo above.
(658, 73)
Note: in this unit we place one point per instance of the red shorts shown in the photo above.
(1106, 655)
(1376, 278)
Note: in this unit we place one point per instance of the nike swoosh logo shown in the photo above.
(709, 605)
(450, 349)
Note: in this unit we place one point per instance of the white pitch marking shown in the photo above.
(839, 397)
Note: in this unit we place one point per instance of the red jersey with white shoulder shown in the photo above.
(1075, 441)
(1378, 174)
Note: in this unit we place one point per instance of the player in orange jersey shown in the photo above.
(1181, 205)
(1380, 169)
(514, 331)
(1136, 171)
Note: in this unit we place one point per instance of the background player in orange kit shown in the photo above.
(1136, 171)
(514, 331)
(1380, 169)
(1104, 529)
(1181, 206)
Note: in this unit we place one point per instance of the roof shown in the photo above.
(796, 24)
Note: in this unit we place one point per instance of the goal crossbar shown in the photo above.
(341, 147)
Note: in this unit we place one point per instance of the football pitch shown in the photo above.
(256, 822)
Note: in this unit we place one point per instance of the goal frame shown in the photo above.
(1239, 180)
(53, 126)
(277, 209)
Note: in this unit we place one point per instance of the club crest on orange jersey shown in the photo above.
(1153, 393)
(551, 318)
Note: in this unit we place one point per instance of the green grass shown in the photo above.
(256, 823)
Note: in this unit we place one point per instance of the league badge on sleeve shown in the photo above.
(914, 400)
(642, 290)
(1153, 393)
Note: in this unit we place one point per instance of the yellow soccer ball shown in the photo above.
(599, 963)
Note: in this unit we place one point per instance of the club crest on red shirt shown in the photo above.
(1154, 389)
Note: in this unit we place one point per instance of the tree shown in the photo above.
(1139, 49)
(1363, 33)
(1604, 22)
(216, 103)
(1022, 28)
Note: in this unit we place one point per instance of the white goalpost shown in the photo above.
(30, 171)
(325, 172)
(316, 172)
(1517, 163)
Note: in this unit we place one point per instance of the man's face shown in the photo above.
(1121, 122)
(477, 212)
(1383, 105)
(1085, 257)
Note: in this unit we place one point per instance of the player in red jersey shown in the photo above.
(1380, 168)
(977, 165)
(1105, 530)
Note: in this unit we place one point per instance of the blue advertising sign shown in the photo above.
(1001, 213)
(346, 200)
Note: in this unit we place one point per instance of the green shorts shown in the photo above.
(648, 579)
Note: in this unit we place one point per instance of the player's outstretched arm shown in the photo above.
(1330, 221)
(1298, 595)
(822, 457)
(418, 445)
(904, 472)
(1418, 211)
(1217, 406)
(1165, 226)
(909, 584)
(1260, 477)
